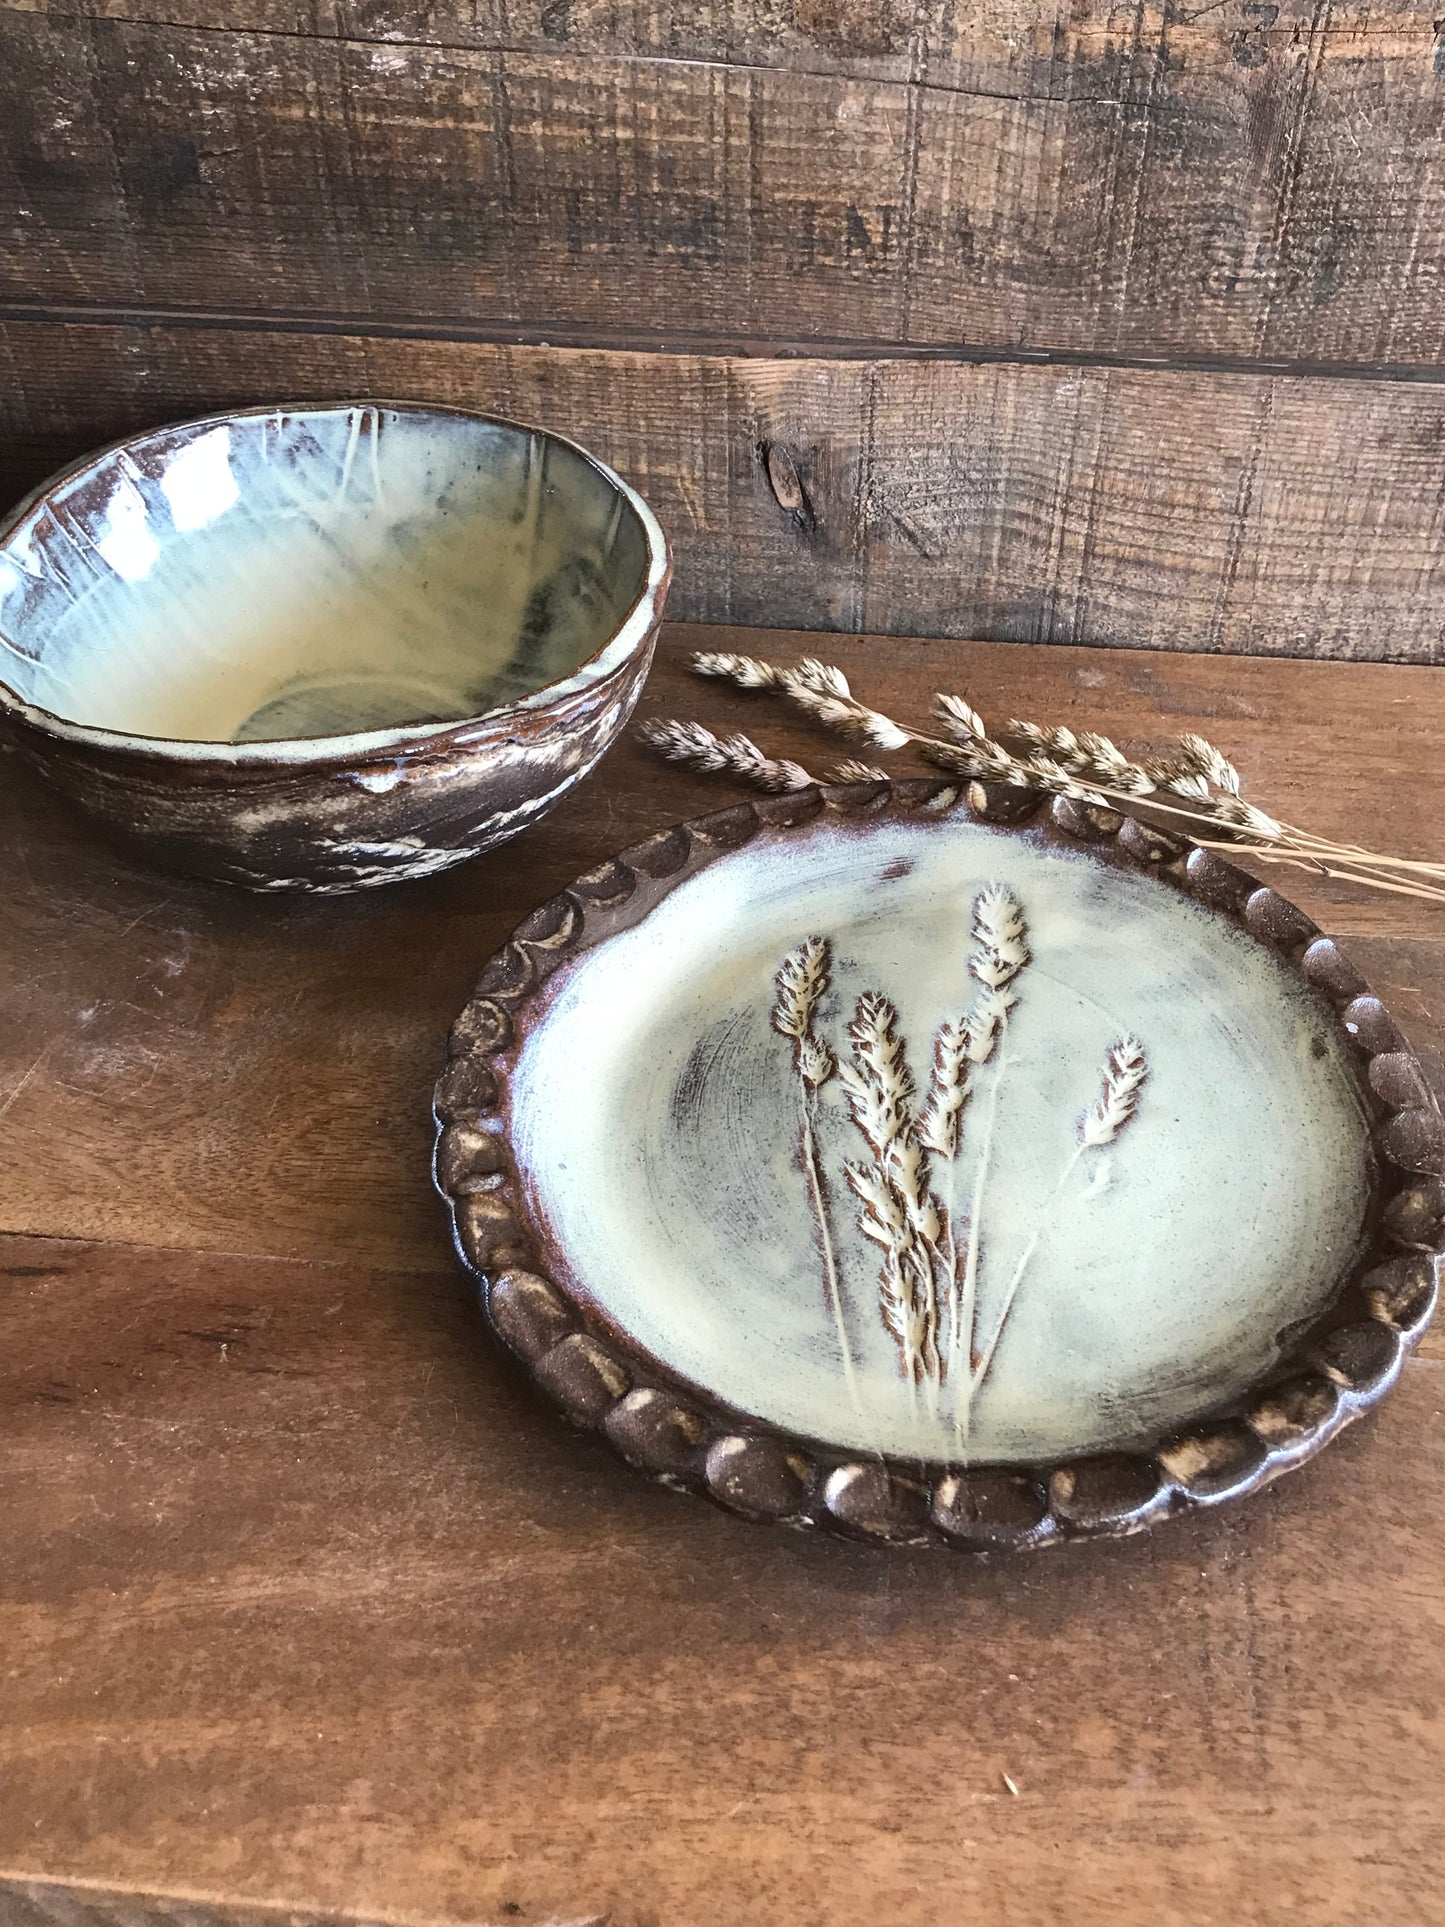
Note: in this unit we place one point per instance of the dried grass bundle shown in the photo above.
(1195, 785)
(927, 1287)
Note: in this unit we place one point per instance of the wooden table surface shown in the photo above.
(309, 1609)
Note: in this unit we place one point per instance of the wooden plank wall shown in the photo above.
(1086, 323)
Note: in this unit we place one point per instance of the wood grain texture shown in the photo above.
(188, 1065)
(1243, 181)
(998, 46)
(308, 1601)
(1181, 510)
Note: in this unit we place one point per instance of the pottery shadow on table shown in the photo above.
(574, 1484)
(684, 1559)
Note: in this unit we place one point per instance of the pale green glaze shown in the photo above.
(327, 572)
(656, 1117)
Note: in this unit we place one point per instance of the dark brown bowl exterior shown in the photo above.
(332, 825)
(1328, 1376)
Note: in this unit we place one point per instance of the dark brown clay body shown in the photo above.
(332, 826)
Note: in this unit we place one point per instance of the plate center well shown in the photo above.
(1145, 1156)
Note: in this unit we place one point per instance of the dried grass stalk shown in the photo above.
(738, 756)
(1000, 953)
(1201, 785)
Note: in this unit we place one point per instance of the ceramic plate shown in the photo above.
(868, 1159)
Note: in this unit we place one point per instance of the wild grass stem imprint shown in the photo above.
(1125, 1069)
(801, 983)
(1000, 953)
(899, 1212)
(928, 1288)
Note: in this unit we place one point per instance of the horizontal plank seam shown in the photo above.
(445, 1266)
(565, 337)
(686, 636)
(1424, 33)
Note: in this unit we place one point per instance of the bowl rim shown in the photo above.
(1329, 1372)
(621, 645)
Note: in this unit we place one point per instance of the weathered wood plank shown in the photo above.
(1114, 507)
(1098, 48)
(184, 1065)
(1138, 185)
(309, 1602)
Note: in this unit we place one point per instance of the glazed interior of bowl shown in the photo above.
(313, 573)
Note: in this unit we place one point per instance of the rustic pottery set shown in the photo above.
(929, 1161)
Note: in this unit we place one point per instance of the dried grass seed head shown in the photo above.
(908, 1168)
(851, 772)
(682, 742)
(885, 1216)
(959, 718)
(1197, 753)
(1104, 756)
(938, 1121)
(876, 1043)
(1240, 815)
(1188, 783)
(999, 926)
(1125, 1070)
(877, 1083)
(744, 672)
(698, 748)
(825, 678)
(816, 1062)
(1133, 780)
(975, 758)
(848, 717)
(802, 979)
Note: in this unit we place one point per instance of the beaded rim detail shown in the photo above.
(1331, 1374)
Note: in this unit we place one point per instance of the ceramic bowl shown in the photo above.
(326, 647)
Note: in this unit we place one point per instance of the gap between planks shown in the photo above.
(567, 337)
(1408, 29)
(446, 1266)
